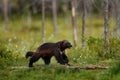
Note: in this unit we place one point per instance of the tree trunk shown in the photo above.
(116, 11)
(54, 12)
(74, 23)
(6, 19)
(43, 21)
(83, 24)
(106, 33)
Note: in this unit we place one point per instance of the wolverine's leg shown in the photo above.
(32, 60)
(46, 60)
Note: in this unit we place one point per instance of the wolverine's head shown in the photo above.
(64, 44)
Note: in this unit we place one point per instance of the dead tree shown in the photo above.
(6, 19)
(74, 26)
(106, 32)
(43, 21)
(54, 12)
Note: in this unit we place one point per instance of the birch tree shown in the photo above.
(54, 12)
(83, 23)
(43, 21)
(116, 13)
(106, 32)
(74, 26)
(6, 19)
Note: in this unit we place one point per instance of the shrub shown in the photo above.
(97, 45)
(115, 69)
(5, 56)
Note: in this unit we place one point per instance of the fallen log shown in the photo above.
(88, 67)
(18, 67)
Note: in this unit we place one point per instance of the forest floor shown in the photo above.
(91, 63)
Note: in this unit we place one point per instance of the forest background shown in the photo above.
(92, 26)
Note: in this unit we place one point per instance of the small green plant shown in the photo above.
(115, 69)
(5, 56)
(97, 45)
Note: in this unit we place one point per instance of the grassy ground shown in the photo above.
(24, 36)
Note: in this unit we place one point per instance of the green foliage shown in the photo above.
(115, 48)
(81, 57)
(113, 72)
(115, 69)
(5, 55)
(97, 45)
(23, 37)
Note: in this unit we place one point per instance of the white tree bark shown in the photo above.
(6, 19)
(74, 22)
(54, 12)
(106, 32)
(83, 24)
(43, 21)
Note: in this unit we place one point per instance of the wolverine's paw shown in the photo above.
(31, 66)
(68, 64)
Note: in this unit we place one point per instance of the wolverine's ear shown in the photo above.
(61, 43)
(64, 42)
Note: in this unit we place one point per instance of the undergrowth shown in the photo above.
(23, 37)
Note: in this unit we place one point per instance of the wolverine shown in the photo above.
(47, 50)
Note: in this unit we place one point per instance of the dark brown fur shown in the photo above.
(47, 50)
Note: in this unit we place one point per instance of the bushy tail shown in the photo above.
(29, 54)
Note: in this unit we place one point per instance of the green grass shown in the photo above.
(46, 73)
(23, 36)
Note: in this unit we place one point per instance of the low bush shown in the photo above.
(6, 57)
(97, 45)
